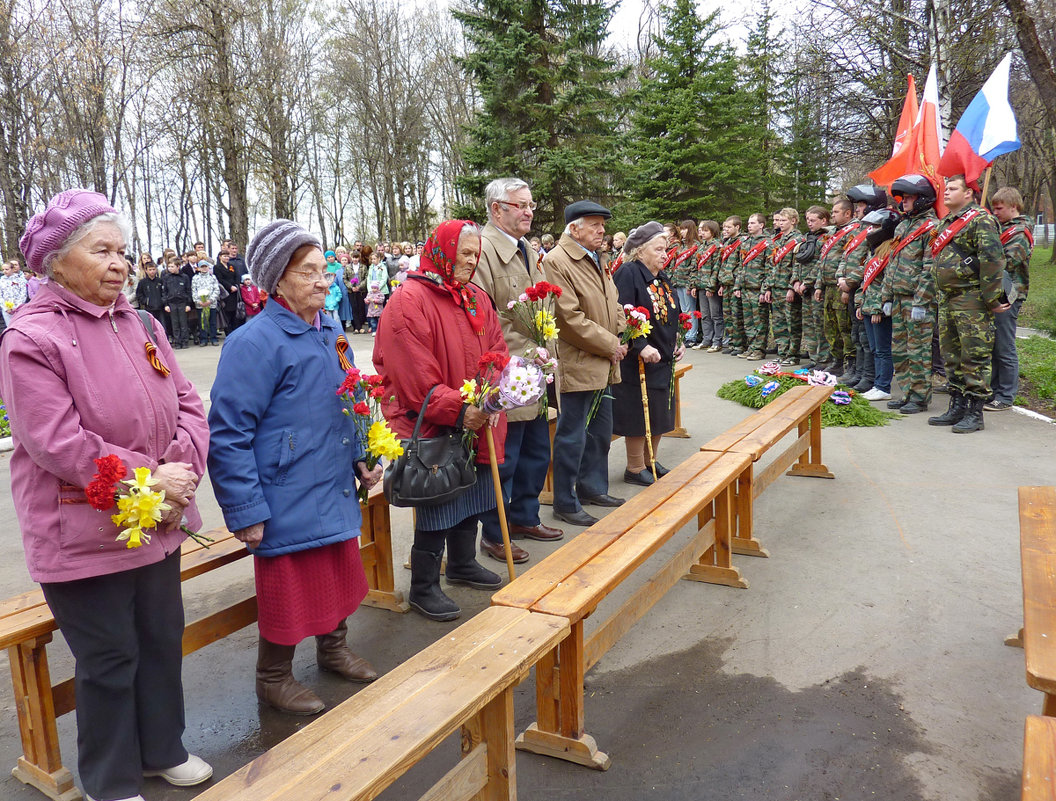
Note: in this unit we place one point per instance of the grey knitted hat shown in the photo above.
(640, 235)
(269, 254)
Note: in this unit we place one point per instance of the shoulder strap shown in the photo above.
(145, 317)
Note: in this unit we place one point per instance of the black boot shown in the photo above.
(865, 383)
(426, 597)
(954, 413)
(835, 367)
(973, 416)
(462, 564)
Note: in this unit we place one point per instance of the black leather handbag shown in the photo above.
(432, 470)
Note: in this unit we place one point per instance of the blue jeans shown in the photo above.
(1005, 379)
(689, 305)
(523, 475)
(879, 336)
(581, 452)
(209, 334)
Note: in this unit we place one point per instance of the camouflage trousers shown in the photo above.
(966, 335)
(756, 319)
(814, 341)
(911, 349)
(837, 324)
(788, 324)
(733, 318)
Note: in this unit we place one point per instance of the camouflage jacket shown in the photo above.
(807, 271)
(755, 273)
(910, 270)
(869, 299)
(979, 239)
(684, 275)
(781, 272)
(730, 268)
(1018, 243)
(830, 262)
(852, 259)
(707, 269)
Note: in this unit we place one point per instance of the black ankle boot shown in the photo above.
(462, 564)
(953, 414)
(426, 597)
(973, 416)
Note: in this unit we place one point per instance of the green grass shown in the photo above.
(1039, 311)
(5, 424)
(1037, 372)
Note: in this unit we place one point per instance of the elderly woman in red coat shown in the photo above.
(434, 330)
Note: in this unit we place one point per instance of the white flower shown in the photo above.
(523, 298)
(511, 304)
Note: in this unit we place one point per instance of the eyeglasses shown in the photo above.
(314, 277)
(531, 204)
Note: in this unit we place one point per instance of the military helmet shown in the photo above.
(886, 220)
(918, 185)
(872, 196)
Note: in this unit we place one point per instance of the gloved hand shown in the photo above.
(887, 309)
(917, 315)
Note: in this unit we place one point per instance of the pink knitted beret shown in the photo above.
(66, 212)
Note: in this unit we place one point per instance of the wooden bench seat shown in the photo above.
(356, 750)
(1039, 759)
(799, 408)
(1037, 547)
(576, 578)
(27, 626)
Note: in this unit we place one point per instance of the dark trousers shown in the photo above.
(581, 451)
(181, 330)
(125, 631)
(523, 475)
(1005, 377)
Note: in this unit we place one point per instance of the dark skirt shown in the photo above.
(309, 592)
(478, 498)
(628, 416)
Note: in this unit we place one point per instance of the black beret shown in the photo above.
(585, 208)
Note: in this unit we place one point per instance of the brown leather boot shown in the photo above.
(276, 686)
(332, 653)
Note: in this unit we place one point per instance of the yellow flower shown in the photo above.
(469, 391)
(382, 442)
(143, 480)
(550, 331)
(140, 509)
(644, 331)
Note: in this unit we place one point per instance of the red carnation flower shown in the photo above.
(361, 408)
(492, 359)
(377, 392)
(532, 293)
(111, 469)
(697, 315)
(100, 495)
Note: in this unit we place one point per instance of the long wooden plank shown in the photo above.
(729, 438)
(1039, 759)
(580, 593)
(769, 474)
(1037, 534)
(360, 747)
(537, 581)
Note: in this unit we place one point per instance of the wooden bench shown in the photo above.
(355, 751)
(27, 626)
(799, 408)
(1037, 548)
(576, 578)
(1039, 759)
(546, 497)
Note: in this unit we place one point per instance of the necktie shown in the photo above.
(524, 253)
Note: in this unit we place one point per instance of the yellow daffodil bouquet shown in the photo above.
(362, 396)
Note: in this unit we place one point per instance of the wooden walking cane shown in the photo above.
(503, 526)
(645, 408)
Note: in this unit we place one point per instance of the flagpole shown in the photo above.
(986, 186)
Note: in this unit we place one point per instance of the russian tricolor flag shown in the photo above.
(987, 129)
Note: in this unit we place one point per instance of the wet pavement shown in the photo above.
(865, 661)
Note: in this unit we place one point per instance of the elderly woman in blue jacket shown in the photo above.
(284, 460)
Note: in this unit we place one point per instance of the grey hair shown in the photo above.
(501, 187)
(471, 227)
(577, 222)
(79, 233)
(634, 253)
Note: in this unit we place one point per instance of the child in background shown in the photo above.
(378, 274)
(375, 300)
(252, 297)
(176, 292)
(206, 291)
(150, 293)
(13, 289)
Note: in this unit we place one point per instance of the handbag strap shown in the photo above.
(421, 413)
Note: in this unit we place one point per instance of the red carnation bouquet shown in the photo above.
(361, 396)
(637, 325)
(685, 325)
(534, 309)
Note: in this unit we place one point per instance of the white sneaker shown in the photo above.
(877, 395)
(194, 771)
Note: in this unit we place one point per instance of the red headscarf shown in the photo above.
(438, 265)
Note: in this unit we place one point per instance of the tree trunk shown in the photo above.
(1039, 62)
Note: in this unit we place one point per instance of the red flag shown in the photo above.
(895, 167)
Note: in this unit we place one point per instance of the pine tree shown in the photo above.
(548, 104)
(686, 150)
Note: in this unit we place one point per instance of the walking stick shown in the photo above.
(645, 408)
(503, 526)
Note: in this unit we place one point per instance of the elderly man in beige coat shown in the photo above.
(508, 265)
(590, 319)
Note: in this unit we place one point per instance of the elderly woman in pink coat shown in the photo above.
(86, 378)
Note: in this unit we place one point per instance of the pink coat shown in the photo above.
(77, 386)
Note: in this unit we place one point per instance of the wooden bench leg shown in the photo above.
(715, 566)
(493, 728)
(546, 497)
(1048, 706)
(375, 545)
(679, 430)
(1015, 640)
(41, 762)
(811, 465)
(559, 731)
(743, 542)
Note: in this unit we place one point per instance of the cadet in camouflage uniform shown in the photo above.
(683, 276)
(705, 287)
(754, 289)
(837, 322)
(806, 280)
(787, 306)
(1018, 241)
(729, 274)
(968, 264)
(909, 292)
(866, 198)
(874, 314)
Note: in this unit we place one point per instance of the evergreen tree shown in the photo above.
(548, 106)
(686, 150)
(806, 156)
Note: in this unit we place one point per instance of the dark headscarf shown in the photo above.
(438, 265)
